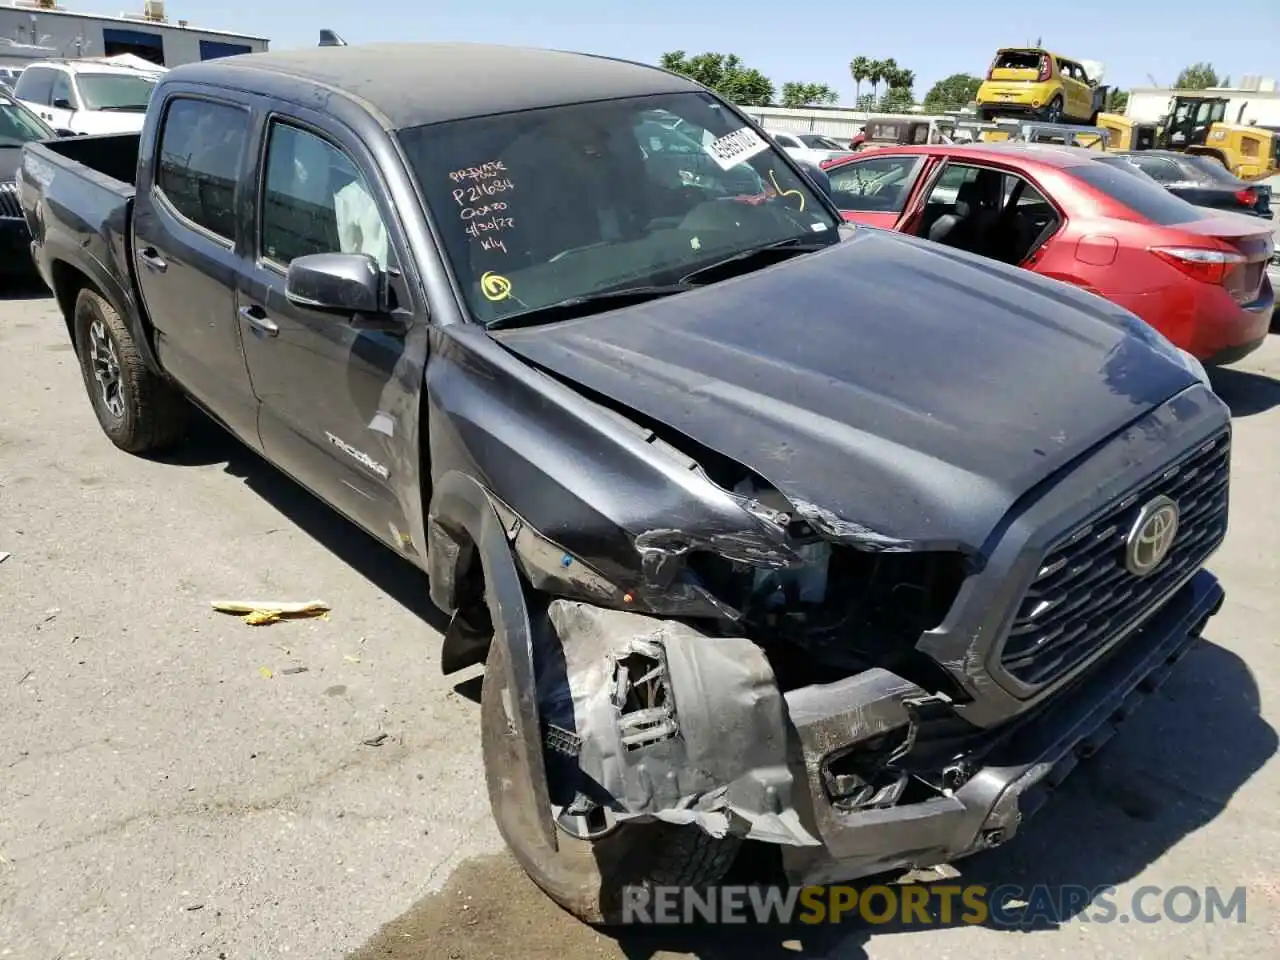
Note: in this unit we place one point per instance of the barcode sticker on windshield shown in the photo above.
(731, 149)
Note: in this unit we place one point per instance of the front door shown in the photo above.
(874, 190)
(339, 400)
(185, 229)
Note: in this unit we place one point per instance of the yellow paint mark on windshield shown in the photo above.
(494, 286)
(786, 193)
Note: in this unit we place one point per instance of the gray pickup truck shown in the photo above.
(768, 529)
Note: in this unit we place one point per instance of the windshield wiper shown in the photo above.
(753, 259)
(587, 304)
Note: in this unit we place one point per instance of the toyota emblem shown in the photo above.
(1151, 536)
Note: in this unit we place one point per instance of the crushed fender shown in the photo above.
(648, 719)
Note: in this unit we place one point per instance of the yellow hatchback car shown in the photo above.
(1031, 82)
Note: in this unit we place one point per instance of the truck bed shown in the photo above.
(114, 156)
(77, 198)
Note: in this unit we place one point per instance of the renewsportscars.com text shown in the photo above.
(934, 905)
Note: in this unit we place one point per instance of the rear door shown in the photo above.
(338, 394)
(184, 246)
(875, 190)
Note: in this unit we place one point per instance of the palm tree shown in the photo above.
(904, 79)
(875, 73)
(859, 69)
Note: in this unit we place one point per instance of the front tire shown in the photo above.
(137, 409)
(586, 878)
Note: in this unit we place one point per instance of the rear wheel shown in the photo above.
(586, 878)
(137, 409)
(1053, 112)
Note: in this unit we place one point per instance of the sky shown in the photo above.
(1137, 40)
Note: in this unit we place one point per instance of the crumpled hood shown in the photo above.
(900, 393)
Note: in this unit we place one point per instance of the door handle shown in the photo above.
(257, 319)
(153, 260)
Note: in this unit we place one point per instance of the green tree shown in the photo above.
(1198, 76)
(866, 103)
(897, 100)
(796, 94)
(900, 95)
(724, 73)
(1117, 101)
(952, 93)
(860, 70)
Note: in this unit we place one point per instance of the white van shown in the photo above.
(87, 96)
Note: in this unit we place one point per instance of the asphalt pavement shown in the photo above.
(175, 783)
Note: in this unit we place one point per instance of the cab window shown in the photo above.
(315, 200)
(35, 85)
(198, 162)
(62, 97)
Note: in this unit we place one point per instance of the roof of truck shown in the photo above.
(412, 84)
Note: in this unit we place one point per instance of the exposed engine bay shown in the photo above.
(842, 610)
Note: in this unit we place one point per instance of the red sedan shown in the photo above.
(1197, 275)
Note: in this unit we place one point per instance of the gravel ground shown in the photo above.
(174, 783)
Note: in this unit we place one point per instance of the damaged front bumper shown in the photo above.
(653, 720)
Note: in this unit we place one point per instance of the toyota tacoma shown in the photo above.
(768, 529)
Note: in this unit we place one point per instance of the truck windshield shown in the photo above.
(17, 126)
(114, 91)
(588, 201)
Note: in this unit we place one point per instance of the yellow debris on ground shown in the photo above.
(261, 612)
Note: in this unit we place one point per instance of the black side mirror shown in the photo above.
(64, 132)
(62, 103)
(346, 283)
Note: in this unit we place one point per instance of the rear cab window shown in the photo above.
(1143, 196)
(198, 162)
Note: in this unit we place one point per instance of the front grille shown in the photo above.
(10, 208)
(1084, 595)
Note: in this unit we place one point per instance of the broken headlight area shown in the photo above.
(821, 608)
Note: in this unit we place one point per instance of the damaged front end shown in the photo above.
(797, 709)
(667, 698)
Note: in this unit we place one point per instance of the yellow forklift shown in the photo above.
(1197, 124)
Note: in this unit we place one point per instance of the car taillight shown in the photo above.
(991, 70)
(1247, 197)
(1045, 71)
(1209, 266)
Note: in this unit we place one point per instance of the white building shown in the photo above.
(42, 29)
(1255, 101)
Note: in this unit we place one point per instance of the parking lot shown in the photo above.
(176, 783)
